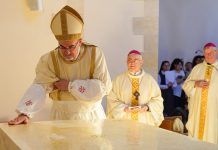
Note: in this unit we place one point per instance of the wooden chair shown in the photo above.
(168, 122)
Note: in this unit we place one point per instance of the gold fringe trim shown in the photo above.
(134, 102)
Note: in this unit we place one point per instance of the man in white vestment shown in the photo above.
(135, 95)
(201, 87)
(74, 74)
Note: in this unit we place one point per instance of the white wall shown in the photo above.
(185, 26)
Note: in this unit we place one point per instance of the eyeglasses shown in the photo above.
(68, 48)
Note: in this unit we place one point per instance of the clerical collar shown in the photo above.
(213, 64)
(136, 73)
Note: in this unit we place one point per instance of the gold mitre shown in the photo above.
(67, 24)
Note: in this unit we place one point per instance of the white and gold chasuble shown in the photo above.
(88, 84)
(202, 103)
(123, 94)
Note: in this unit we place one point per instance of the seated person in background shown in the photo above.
(74, 74)
(135, 94)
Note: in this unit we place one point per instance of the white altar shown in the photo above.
(99, 135)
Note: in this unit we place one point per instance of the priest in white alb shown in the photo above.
(201, 87)
(74, 74)
(135, 94)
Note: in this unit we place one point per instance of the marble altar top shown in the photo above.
(99, 135)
